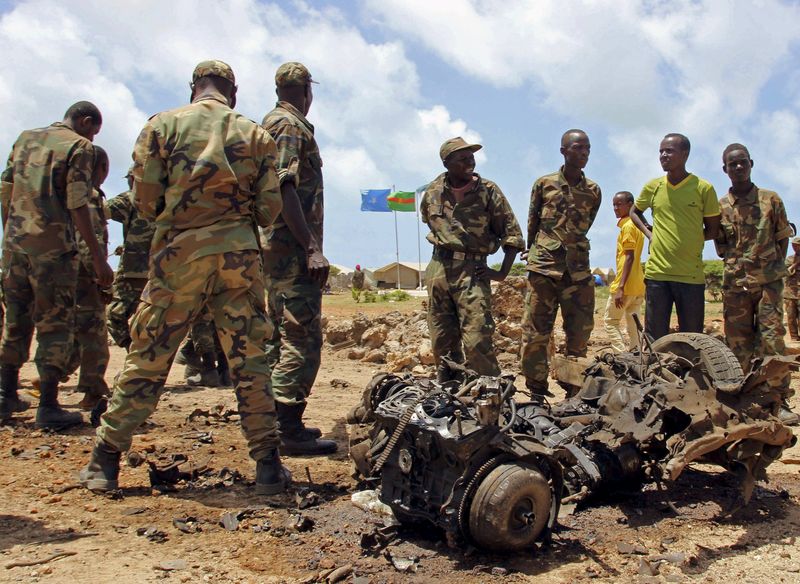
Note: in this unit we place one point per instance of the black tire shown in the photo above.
(717, 359)
(510, 509)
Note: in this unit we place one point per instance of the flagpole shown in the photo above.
(419, 246)
(396, 245)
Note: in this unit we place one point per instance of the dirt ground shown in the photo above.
(314, 532)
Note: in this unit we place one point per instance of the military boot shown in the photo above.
(10, 402)
(50, 415)
(224, 371)
(208, 375)
(271, 476)
(102, 472)
(187, 355)
(787, 416)
(296, 439)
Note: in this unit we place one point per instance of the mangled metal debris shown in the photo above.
(467, 457)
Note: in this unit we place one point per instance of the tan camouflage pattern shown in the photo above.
(294, 346)
(751, 228)
(481, 224)
(206, 175)
(545, 296)
(231, 285)
(137, 236)
(792, 280)
(90, 354)
(791, 307)
(559, 218)
(292, 73)
(40, 295)
(753, 320)
(213, 67)
(460, 315)
(125, 295)
(49, 173)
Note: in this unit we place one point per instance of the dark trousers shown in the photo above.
(689, 300)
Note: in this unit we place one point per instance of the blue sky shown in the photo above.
(398, 77)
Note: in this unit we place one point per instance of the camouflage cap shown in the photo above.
(796, 240)
(213, 67)
(456, 144)
(292, 73)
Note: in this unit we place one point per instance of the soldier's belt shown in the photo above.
(449, 254)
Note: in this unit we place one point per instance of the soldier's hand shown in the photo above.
(105, 275)
(483, 272)
(619, 298)
(318, 267)
(523, 255)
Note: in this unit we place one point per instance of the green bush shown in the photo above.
(713, 270)
(370, 296)
(517, 269)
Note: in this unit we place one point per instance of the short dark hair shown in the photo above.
(82, 109)
(735, 146)
(686, 146)
(628, 196)
(100, 155)
(567, 134)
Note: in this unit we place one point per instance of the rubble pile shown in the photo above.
(402, 341)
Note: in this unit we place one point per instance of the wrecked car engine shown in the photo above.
(466, 456)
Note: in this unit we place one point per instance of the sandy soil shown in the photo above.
(631, 537)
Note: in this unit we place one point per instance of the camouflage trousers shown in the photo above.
(231, 284)
(613, 317)
(125, 295)
(545, 295)
(90, 348)
(40, 295)
(790, 306)
(460, 315)
(754, 321)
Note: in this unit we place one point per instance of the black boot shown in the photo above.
(49, 415)
(207, 376)
(787, 416)
(10, 402)
(271, 476)
(224, 371)
(102, 472)
(296, 439)
(187, 355)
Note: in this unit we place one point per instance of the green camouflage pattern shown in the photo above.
(460, 315)
(790, 306)
(206, 175)
(545, 296)
(231, 285)
(90, 352)
(292, 73)
(202, 333)
(97, 214)
(358, 279)
(792, 280)
(294, 346)
(49, 172)
(753, 320)
(137, 236)
(559, 218)
(213, 67)
(125, 295)
(751, 228)
(481, 224)
(40, 295)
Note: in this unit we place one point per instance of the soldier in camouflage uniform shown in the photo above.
(90, 349)
(470, 219)
(563, 207)
(294, 266)
(752, 241)
(206, 176)
(131, 277)
(44, 193)
(791, 290)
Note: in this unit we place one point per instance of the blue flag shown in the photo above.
(375, 200)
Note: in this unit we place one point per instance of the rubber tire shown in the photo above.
(506, 490)
(718, 360)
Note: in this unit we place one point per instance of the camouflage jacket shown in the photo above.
(558, 220)
(791, 288)
(49, 172)
(481, 224)
(97, 212)
(298, 161)
(137, 235)
(751, 227)
(206, 175)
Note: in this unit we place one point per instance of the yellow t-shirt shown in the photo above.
(629, 239)
(676, 250)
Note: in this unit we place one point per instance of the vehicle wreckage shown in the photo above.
(466, 456)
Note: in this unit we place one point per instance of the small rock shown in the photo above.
(499, 571)
(170, 565)
(648, 568)
(339, 574)
(374, 356)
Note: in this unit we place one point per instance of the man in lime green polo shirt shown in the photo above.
(685, 214)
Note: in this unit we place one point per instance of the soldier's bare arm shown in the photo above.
(711, 227)
(318, 266)
(637, 218)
